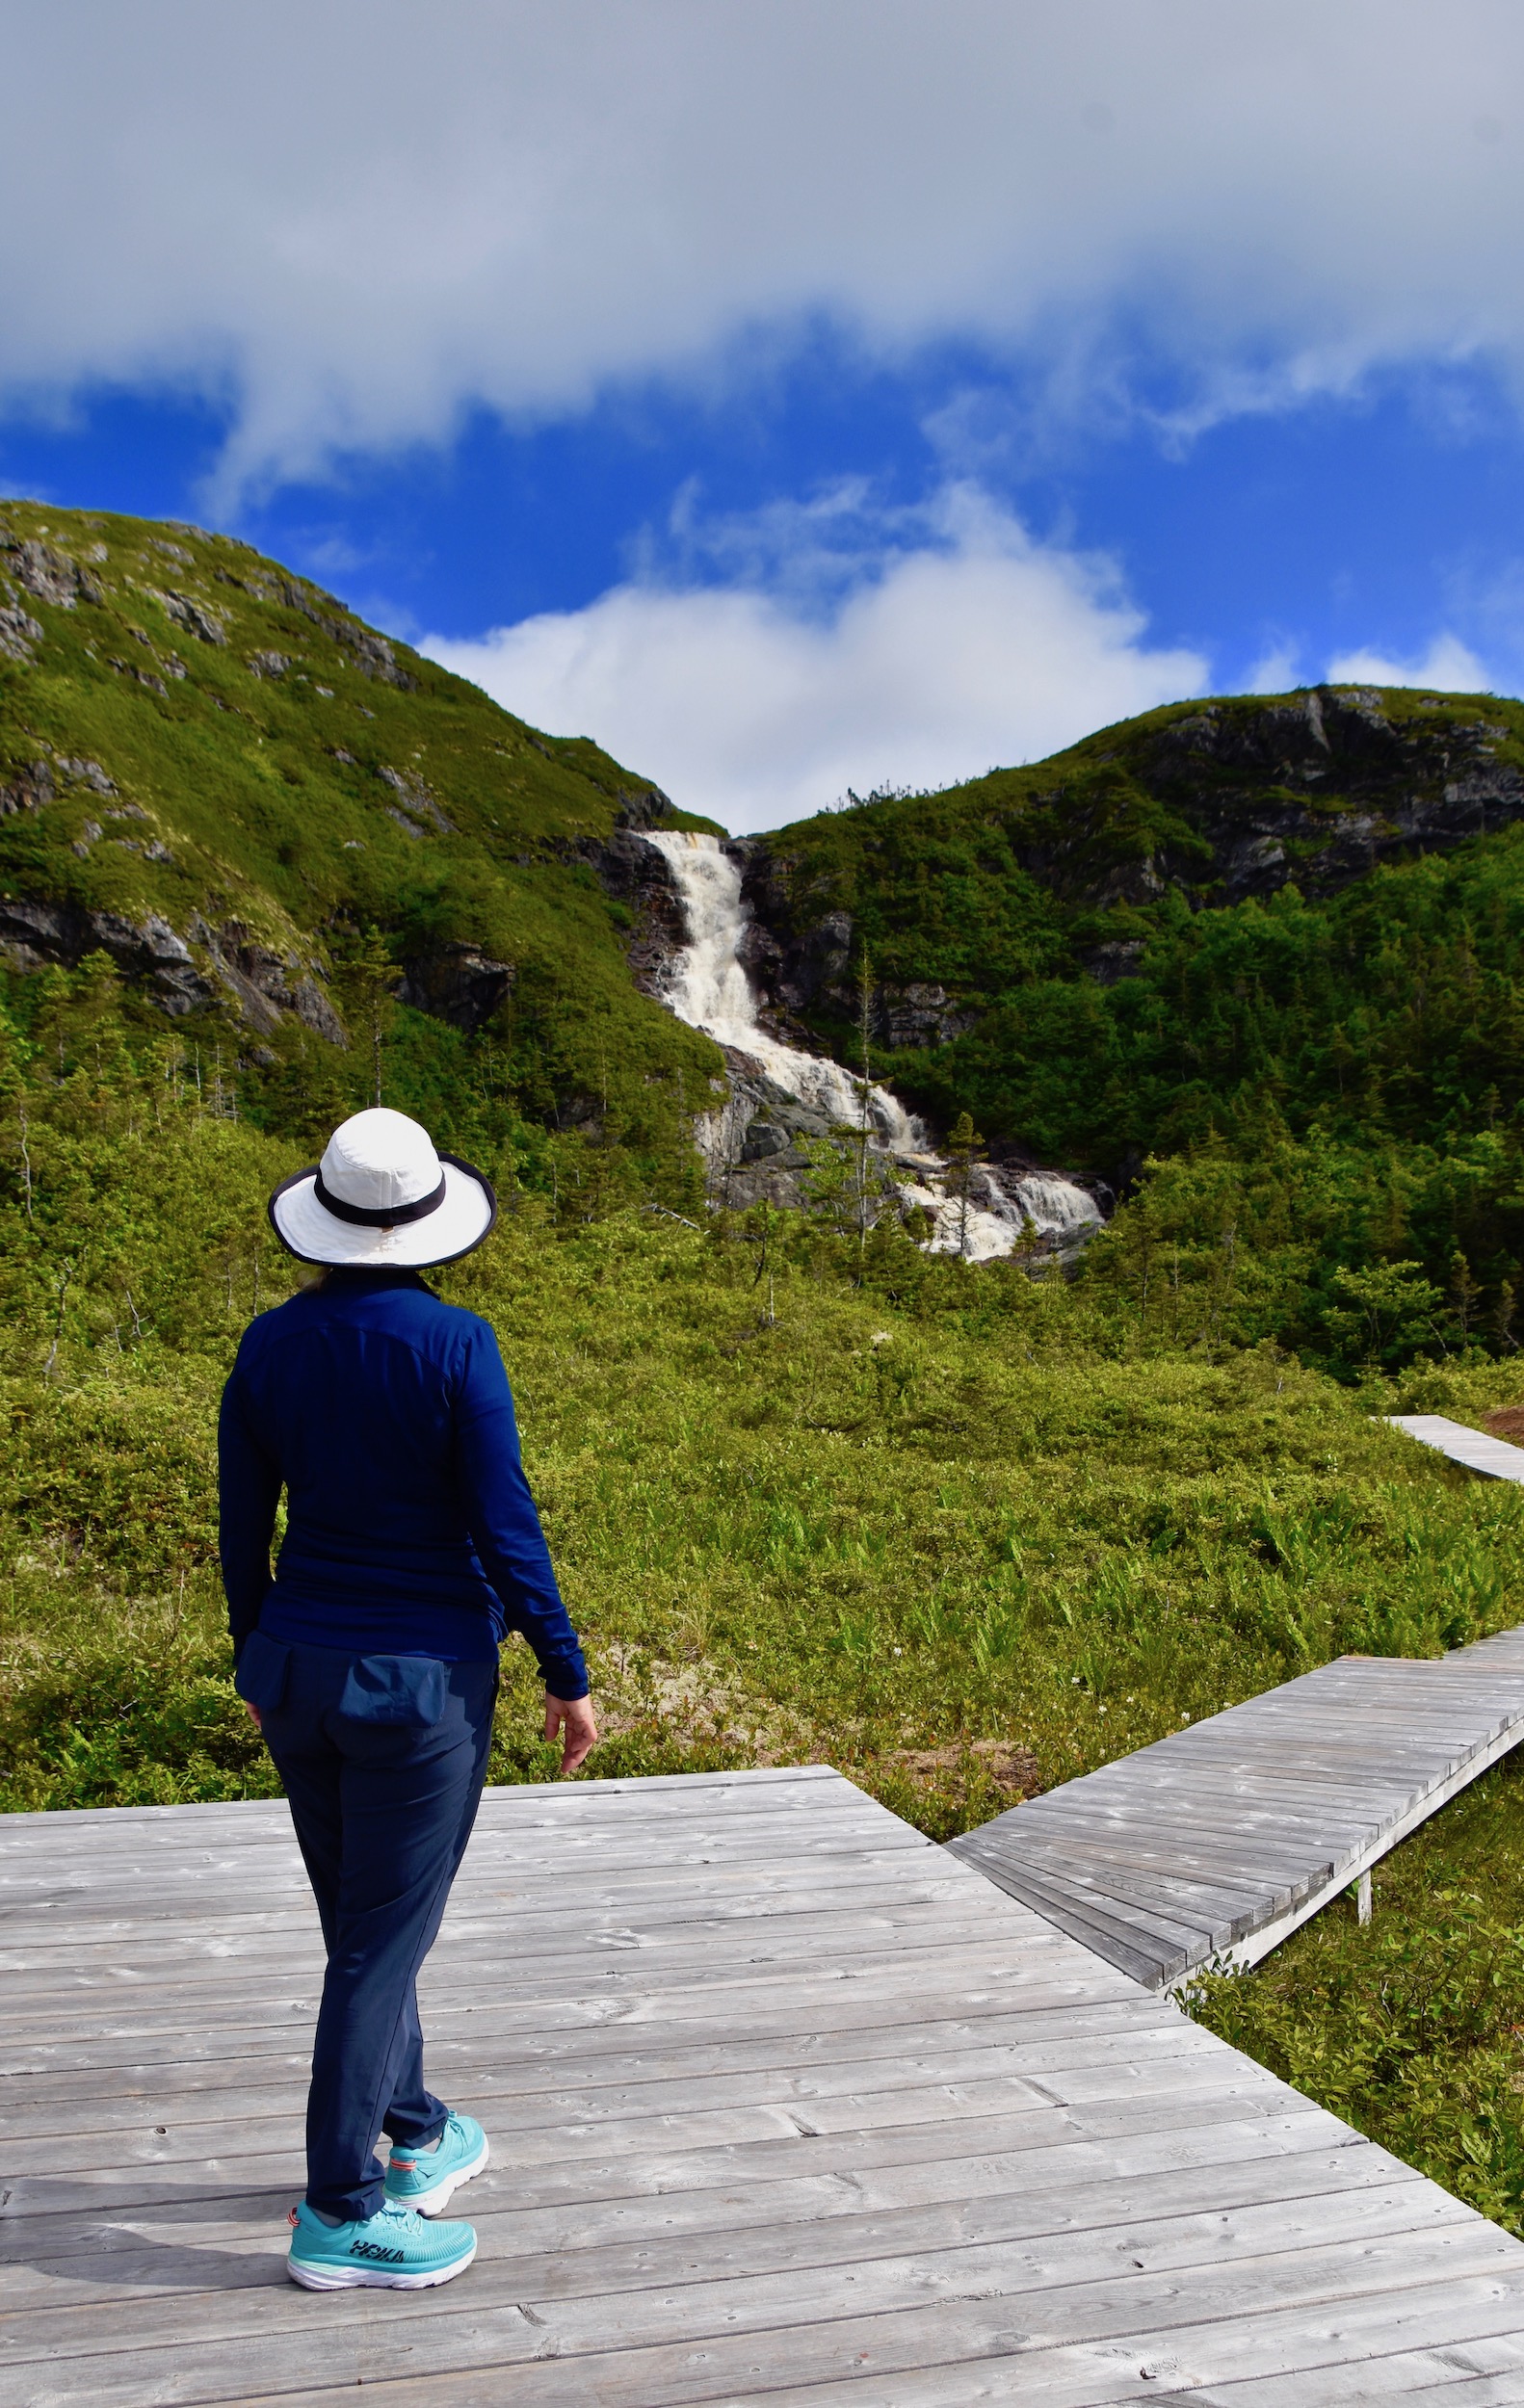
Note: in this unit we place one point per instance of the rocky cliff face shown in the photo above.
(1317, 789)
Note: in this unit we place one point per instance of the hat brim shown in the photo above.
(309, 1231)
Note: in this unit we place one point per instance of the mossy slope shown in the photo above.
(214, 768)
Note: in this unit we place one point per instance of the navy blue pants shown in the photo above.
(382, 1760)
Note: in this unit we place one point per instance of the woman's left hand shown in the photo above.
(572, 1720)
(253, 1712)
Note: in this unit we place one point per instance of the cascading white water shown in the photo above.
(706, 985)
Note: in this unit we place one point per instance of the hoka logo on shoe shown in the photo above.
(374, 2249)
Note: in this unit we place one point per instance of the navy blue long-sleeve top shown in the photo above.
(410, 1529)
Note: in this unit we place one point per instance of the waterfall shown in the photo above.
(706, 985)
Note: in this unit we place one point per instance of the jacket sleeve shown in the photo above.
(248, 1492)
(504, 1525)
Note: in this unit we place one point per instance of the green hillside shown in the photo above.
(264, 813)
(1277, 944)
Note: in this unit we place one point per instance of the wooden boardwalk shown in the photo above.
(1494, 1456)
(787, 2104)
(1221, 1838)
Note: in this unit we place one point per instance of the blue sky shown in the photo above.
(801, 398)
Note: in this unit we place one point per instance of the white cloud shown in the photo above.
(1448, 667)
(1276, 670)
(359, 218)
(965, 645)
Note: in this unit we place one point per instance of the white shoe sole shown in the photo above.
(374, 2277)
(429, 2202)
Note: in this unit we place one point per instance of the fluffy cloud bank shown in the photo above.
(1448, 667)
(352, 222)
(965, 644)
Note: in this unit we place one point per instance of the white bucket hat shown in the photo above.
(382, 1195)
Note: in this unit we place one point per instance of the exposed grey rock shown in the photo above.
(753, 1143)
(637, 875)
(415, 799)
(139, 677)
(917, 1014)
(89, 834)
(173, 551)
(28, 789)
(371, 654)
(84, 773)
(459, 984)
(269, 663)
(189, 614)
(33, 934)
(19, 633)
(762, 1140)
(310, 1004)
(641, 809)
(51, 576)
(264, 984)
(1115, 959)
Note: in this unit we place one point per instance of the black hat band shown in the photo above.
(380, 1216)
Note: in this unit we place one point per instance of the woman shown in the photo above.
(369, 1660)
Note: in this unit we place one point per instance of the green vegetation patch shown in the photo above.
(1412, 2029)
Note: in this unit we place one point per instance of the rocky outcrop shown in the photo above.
(27, 787)
(205, 626)
(751, 1140)
(19, 633)
(225, 965)
(50, 575)
(33, 934)
(1318, 790)
(420, 809)
(914, 1015)
(637, 875)
(265, 984)
(458, 983)
(371, 654)
(644, 807)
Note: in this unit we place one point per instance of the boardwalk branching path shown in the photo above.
(787, 2104)
(1220, 1840)
(1494, 1457)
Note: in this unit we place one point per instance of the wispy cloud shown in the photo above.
(350, 226)
(1448, 667)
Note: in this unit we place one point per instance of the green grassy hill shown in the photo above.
(261, 810)
(1277, 946)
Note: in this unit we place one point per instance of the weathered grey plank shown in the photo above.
(1293, 1795)
(1494, 1457)
(819, 2110)
(887, 2255)
(790, 2315)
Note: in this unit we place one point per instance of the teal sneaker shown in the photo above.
(392, 2250)
(424, 2179)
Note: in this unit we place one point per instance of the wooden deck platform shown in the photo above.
(787, 2104)
(1492, 1456)
(1221, 1838)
